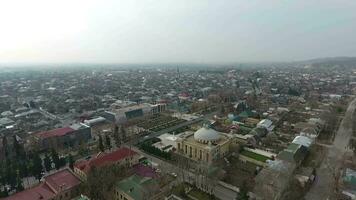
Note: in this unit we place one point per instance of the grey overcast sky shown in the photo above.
(139, 31)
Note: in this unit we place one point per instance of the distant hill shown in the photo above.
(343, 61)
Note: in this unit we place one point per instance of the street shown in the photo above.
(329, 170)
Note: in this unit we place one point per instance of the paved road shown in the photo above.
(324, 187)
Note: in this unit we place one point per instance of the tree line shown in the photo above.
(14, 168)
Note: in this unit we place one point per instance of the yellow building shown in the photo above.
(205, 145)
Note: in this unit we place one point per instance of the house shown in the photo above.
(61, 185)
(266, 123)
(136, 188)
(123, 157)
(64, 137)
(294, 153)
(4, 122)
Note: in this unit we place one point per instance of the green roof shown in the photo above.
(246, 114)
(293, 147)
(137, 187)
(294, 152)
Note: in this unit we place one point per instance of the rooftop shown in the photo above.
(62, 180)
(137, 187)
(40, 192)
(52, 184)
(55, 132)
(103, 159)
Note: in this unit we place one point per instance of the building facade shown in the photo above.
(205, 145)
(64, 137)
(123, 157)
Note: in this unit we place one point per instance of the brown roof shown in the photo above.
(52, 185)
(55, 132)
(103, 159)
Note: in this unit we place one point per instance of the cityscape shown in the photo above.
(169, 100)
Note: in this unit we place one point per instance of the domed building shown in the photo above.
(204, 145)
(206, 135)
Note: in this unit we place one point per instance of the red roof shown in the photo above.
(52, 185)
(62, 180)
(103, 159)
(40, 192)
(55, 132)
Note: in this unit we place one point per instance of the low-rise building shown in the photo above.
(122, 157)
(136, 188)
(64, 137)
(61, 185)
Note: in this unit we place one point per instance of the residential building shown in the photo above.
(61, 185)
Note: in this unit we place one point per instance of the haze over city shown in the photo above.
(178, 100)
(200, 31)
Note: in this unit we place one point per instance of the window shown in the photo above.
(200, 155)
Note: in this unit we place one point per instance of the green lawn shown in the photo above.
(255, 156)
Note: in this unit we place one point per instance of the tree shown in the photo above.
(108, 141)
(116, 136)
(37, 167)
(19, 186)
(101, 145)
(23, 169)
(62, 162)
(123, 133)
(4, 144)
(55, 159)
(71, 161)
(47, 163)
(243, 194)
(17, 147)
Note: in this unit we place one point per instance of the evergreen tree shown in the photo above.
(11, 176)
(101, 145)
(17, 148)
(23, 169)
(71, 161)
(62, 162)
(47, 163)
(108, 141)
(116, 136)
(4, 193)
(37, 168)
(55, 159)
(19, 186)
(4, 144)
(243, 194)
(123, 133)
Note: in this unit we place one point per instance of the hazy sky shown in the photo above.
(139, 31)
